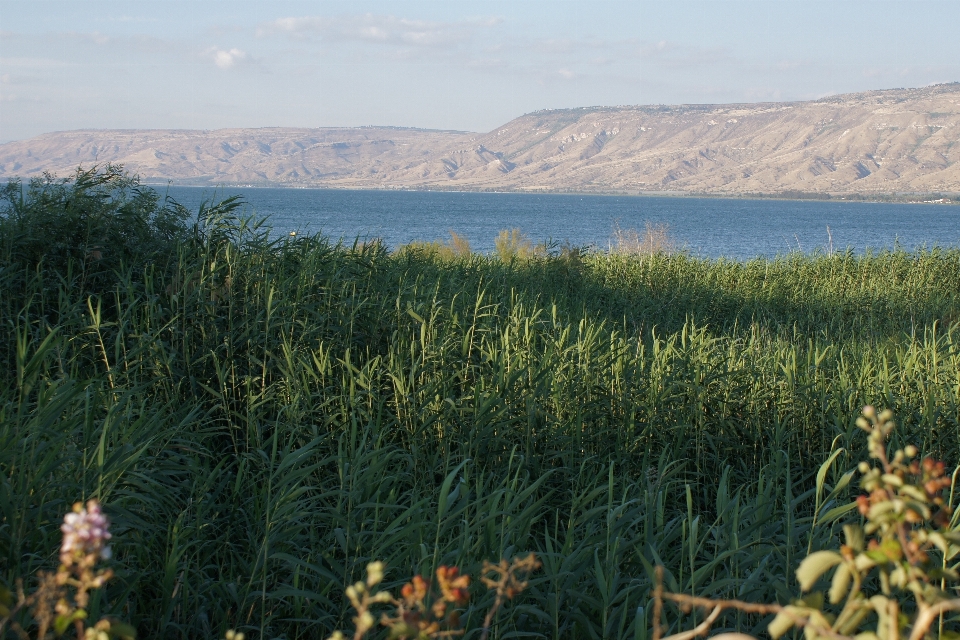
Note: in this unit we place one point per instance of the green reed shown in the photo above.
(262, 417)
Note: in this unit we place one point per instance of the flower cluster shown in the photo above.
(921, 482)
(453, 588)
(415, 619)
(362, 597)
(423, 614)
(85, 535)
(86, 532)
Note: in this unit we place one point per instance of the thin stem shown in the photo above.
(657, 603)
(700, 629)
(488, 620)
(928, 614)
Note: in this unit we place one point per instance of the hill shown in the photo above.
(878, 142)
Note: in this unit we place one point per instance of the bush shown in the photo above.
(86, 227)
(456, 247)
(513, 244)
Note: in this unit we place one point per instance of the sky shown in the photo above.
(465, 65)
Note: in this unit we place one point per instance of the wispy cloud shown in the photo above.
(584, 57)
(69, 49)
(374, 28)
(673, 55)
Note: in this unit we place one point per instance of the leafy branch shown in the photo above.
(890, 578)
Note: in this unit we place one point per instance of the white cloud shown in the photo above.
(291, 26)
(226, 58)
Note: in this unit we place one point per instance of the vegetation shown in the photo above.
(902, 554)
(514, 245)
(263, 417)
(655, 240)
(456, 247)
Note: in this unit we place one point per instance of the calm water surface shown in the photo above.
(706, 227)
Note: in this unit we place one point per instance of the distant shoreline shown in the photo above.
(936, 198)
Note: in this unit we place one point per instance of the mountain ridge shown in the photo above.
(867, 143)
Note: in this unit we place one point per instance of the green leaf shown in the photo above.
(892, 480)
(940, 541)
(824, 468)
(811, 600)
(781, 623)
(837, 512)
(938, 573)
(864, 562)
(122, 630)
(445, 488)
(854, 621)
(814, 566)
(952, 536)
(6, 601)
(881, 605)
(914, 492)
(840, 584)
(61, 622)
(877, 556)
(854, 536)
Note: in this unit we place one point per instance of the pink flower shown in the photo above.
(85, 533)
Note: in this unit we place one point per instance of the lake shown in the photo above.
(707, 227)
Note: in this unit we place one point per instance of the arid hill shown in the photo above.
(878, 142)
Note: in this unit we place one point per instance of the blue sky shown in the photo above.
(451, 64)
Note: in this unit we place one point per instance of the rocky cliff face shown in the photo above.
(903, 140)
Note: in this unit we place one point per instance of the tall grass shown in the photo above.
(262, 416)
(655, 239)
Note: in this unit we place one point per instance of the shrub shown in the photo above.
(890, 577)
(513, 244)
(456, 247)
(86, 227)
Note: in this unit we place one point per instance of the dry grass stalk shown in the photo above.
(421, 612)
(654, 239)
(458, 244)
(513, 244)
(507, 583)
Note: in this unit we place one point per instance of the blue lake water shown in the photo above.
(707, 227)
